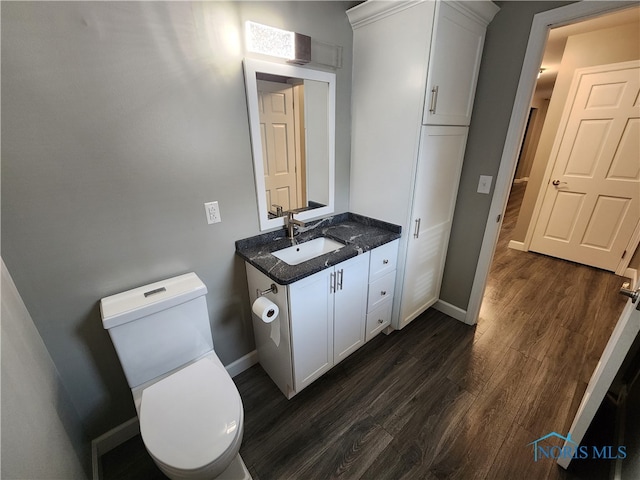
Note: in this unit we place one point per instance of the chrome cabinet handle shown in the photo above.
(383, 292)
(385, 261)
(380, 321)
(434, 99)
(416, 233)
(340, 276)
(332, 283)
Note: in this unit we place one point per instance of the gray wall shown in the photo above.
(41, 433)
(504, 50)
(119, 120)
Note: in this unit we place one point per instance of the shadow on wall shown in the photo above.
(116, 400)
(42, 436)
(236, 305)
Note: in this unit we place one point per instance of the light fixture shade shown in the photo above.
(302, 49)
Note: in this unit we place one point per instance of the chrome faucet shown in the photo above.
(290, 224)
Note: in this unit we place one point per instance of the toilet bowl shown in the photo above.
(190, 412)
(191, 421)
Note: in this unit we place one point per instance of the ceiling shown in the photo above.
(558, 39)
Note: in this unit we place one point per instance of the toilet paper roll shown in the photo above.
(265, 309)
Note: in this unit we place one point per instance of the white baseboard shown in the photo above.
(129, 429)
(451, 310)
(242, 364)
(516, 245)
(110, 440)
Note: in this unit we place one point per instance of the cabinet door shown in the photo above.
(456, 52)
(311, 312)
(436, 188)
(350, 305)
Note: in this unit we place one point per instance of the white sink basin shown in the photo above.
(307, 250)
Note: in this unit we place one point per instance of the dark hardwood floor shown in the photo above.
(440, 399)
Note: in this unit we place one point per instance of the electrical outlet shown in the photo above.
(213, 212)
(484, 185)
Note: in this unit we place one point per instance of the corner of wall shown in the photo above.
(42, 436)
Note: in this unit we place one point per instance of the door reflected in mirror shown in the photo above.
(292, 123)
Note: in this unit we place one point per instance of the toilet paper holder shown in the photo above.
(273, 289)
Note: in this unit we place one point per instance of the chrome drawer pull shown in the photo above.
(434, 99)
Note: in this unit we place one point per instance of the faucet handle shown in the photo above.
(291, 224)
(290, 219)
(279, 211)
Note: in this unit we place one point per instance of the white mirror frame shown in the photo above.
(251, 68)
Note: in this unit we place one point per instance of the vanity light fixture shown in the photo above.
(292, 46)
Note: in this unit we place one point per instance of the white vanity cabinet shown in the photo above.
(322, 317)
(415, 66)
(328, 312)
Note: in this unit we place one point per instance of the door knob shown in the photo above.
(555, 183)
(627, 292)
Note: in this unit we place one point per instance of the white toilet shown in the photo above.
(190, 411)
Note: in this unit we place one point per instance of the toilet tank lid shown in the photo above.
(142, 301)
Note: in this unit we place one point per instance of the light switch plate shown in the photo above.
(484, 185)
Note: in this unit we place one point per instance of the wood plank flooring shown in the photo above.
(440, 399)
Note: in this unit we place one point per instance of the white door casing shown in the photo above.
(277, 125)
(591, 206)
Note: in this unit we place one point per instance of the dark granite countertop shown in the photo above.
(359, 234)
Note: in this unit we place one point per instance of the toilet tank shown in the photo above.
(158, 327)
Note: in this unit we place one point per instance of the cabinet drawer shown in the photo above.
(383, 260)
(379, 319)
(381, 290)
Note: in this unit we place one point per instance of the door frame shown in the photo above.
(542, 23)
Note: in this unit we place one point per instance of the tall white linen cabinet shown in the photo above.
(415, 67)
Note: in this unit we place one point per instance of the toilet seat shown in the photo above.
(193, 418)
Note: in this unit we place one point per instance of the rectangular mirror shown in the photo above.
(292, 125)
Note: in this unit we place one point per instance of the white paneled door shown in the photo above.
(277, 125)
(591, 206)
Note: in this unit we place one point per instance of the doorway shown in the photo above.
(590, 210)
(573, 18)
